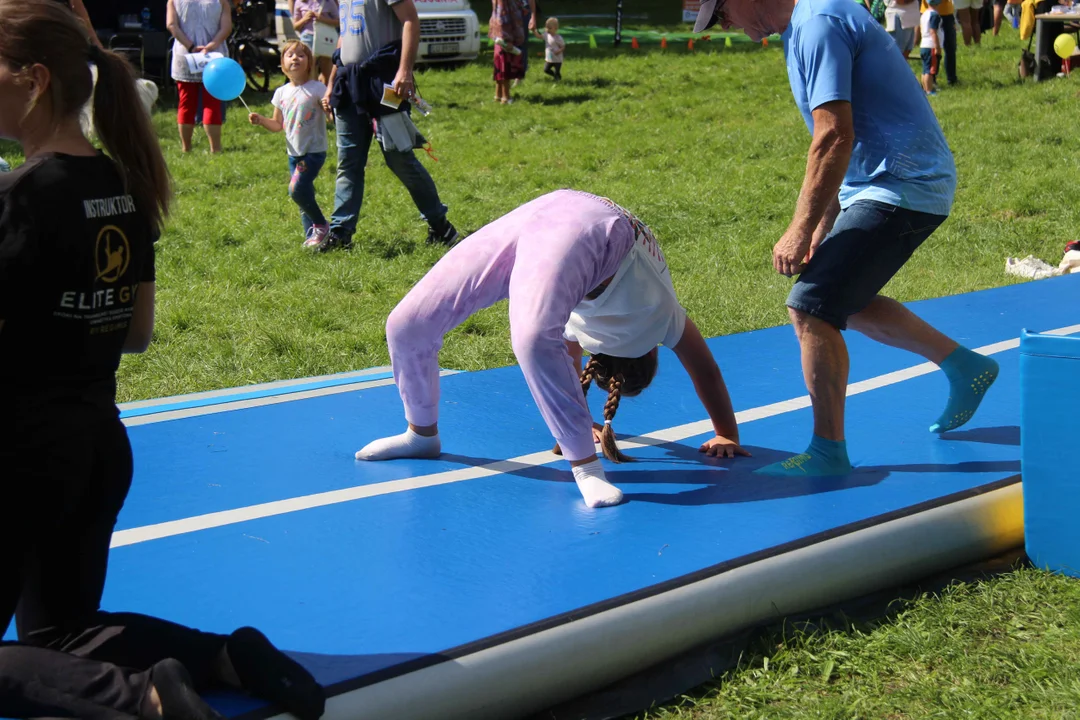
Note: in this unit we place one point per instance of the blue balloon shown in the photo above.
(224, 79)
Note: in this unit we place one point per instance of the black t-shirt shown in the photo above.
(73, 250)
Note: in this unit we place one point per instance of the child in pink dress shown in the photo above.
(582, 274)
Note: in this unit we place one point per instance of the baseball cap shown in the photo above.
(705, 19)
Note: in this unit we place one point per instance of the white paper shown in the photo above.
(325, 42)
(197, 61)
(390, 98)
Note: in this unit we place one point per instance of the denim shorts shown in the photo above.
(869, 243)
(929, 61)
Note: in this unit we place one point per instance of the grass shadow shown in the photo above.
(574, 99)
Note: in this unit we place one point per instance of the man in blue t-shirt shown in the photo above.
(879, 180)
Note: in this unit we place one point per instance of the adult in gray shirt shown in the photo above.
(368, 27)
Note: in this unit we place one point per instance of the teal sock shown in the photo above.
(823, 457)
(970, 376)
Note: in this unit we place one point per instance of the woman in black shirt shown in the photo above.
(77, 233)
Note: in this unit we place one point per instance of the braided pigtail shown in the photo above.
(607, 437)
(587, 376)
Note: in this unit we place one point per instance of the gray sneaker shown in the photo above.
(333, 241)
(447, 235)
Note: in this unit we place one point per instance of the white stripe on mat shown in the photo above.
(146, 533)
(166, 415)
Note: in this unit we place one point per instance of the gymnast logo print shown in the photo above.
(112, 254)
(352, 17)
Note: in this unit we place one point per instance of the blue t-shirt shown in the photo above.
(835, 50)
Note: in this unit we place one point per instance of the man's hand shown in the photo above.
(789, 255)
(532, 22)
(403, 83)
(722, 447)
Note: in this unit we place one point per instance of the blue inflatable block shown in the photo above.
(1049, 406)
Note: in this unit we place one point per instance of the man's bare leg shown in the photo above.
(970, 374)
(825, 370)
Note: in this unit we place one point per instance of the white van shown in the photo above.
(449, 30)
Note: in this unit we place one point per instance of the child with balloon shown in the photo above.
(298, 111)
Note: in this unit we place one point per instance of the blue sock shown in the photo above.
(970, 376)
(823, 457)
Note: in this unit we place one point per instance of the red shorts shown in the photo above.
(190, 94)
(508, 66)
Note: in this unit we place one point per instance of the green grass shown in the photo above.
(709, 150)
(1002, 648)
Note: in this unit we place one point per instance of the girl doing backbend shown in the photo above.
(582, 274)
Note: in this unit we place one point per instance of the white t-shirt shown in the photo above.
(927, 36)
(553, 48)
(302, 117)
(907, 13)
(637, 311)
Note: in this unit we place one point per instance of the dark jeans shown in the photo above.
(66, 469)
(869, 243)
(948, 23)
(354, 136)
(554, 70)
(302, 173)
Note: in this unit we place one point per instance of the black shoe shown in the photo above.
(267, 673)
(447, 235)
(333, 241)
(178, 698)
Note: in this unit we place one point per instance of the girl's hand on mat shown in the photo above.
(790, 252)
(720, 446)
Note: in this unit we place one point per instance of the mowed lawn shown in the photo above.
(708, 149)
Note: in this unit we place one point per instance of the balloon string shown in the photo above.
(241, 99)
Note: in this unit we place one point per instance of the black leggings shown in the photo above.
(45, 683)
(66, 473)
(554, 70)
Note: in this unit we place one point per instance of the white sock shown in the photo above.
(406, 445)
(594, 487)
